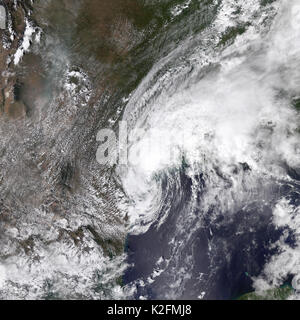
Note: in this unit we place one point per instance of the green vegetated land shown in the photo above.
(282, 293)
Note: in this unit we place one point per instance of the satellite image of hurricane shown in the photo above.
(150, 150)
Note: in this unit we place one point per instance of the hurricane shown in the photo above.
(214, 149)
(149, 150)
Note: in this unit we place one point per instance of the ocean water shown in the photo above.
(214, 174)
(207, 205)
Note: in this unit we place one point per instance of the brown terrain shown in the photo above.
(48, 145)
(8, 104)
(98, 33)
